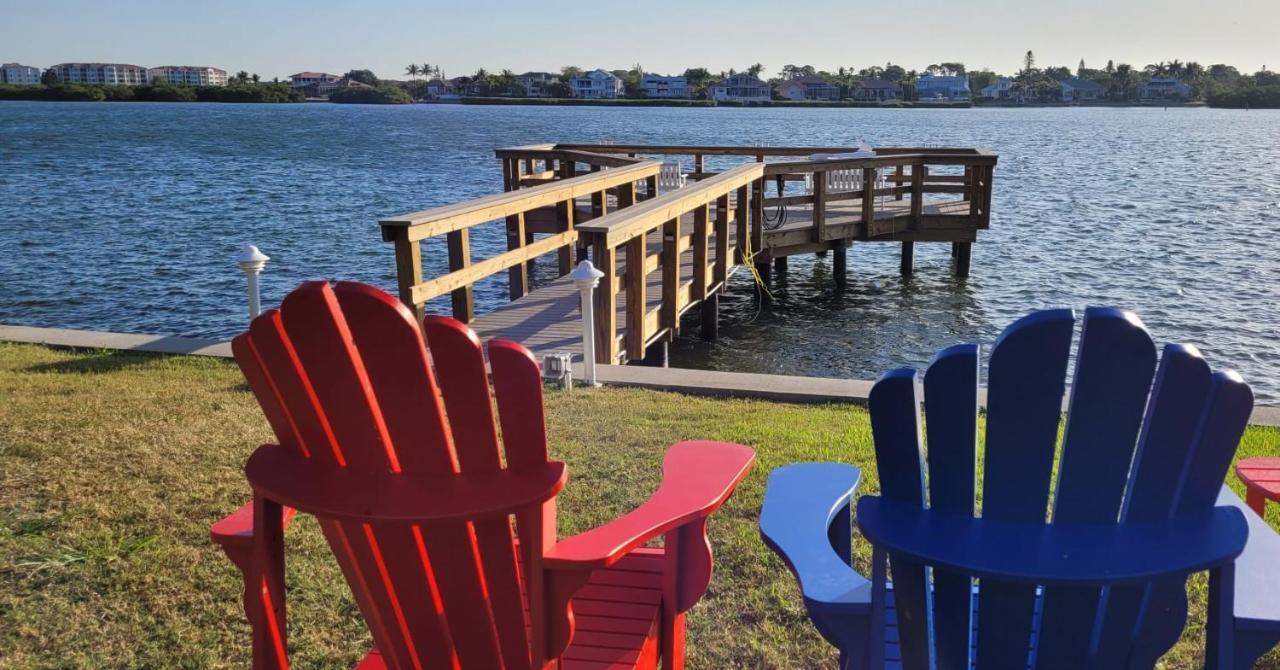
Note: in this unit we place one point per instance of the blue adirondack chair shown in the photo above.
(1097, 579)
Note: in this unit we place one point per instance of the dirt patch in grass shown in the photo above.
(113, 465)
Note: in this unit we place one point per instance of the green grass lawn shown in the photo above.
(113, 466)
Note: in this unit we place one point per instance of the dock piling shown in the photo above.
(964, 253)
(710, 317)
(908, 258)
(840, 264)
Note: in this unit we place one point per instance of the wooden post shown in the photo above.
(606, 297)
(899, 172)
(839, 263)
(459, 241)
(710, 317)
(670, 310)
(564, 221)
(819, 233)
(517, 275)
(599, 199)
(908, 258)
(743, 207)
(757, 215)
(722, 240)
(868, 198)
(650, 187)
(701, 250)
(964, 252)
(699, 164)
(626, 195)
(408, 270)
(917, 195)
(780, 264)
(637, 301)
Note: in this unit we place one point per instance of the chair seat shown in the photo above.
(616, 617)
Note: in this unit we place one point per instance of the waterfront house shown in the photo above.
(597, 84)
(807, 88)
(442, 89)
(658, 86)
(1164, 89)
(535, 83)
(878, 89)
(1076, 89)
(102, 74)
(1000, 89)
(740, 87)
(19, 74)
(943, 87)
(188, 75)
(302, 79)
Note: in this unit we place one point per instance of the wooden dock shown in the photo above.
(666, 246)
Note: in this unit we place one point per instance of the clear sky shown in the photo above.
(279, 37)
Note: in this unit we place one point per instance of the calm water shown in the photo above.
(125, 217)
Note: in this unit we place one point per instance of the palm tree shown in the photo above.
(427, 69)
(256, 78)
(412, 70)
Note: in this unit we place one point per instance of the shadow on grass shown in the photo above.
(99, 361)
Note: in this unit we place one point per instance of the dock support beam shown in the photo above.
(655, 355)
(780, 264)
(840, 264)
(964, 251)
(711, 317)
(908, 258)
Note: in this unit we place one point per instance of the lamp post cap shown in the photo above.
(250, 254)
(585, 272)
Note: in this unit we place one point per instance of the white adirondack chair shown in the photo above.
(671, 176)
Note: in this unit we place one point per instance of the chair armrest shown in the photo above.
(1054, 554)
(697, 478)
(1257, 583)
(802, 504)
(234, 533)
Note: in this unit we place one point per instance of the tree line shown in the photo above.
(243, 87)
(1218, 84)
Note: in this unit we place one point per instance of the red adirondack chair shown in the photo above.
(417, 500)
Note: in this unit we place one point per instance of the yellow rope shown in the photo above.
(748, 259)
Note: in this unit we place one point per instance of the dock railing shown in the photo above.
(893, 174)
(455, 221)
(716, 204)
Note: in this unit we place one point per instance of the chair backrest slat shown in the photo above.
(1026, 378)
(1114, 368)
(344, 377)
(464, 385)
(1177, 400)
(399, 370)
(951, 405)
(895, 424)
(496, 589)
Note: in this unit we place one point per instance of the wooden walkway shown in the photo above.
(549, 320)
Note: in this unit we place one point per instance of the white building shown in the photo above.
(188, 75)
(658, 86)
(309, 78)
(597, 84)
(102, 74)
(740, 88)
(938, 87)
(1000, 89)
(22, 75)
(535, 83)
